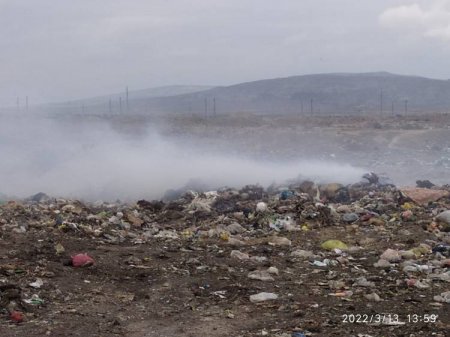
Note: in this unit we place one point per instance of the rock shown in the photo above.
(409, 269)
(273, 270)
(362, 282)
(444, 217)
(376, 221)
(261, 275)
(114, 220)
(236, 254)
(261, 207)
(391, 255)
(382, 264)
(334, 244)
(372, 297)
(444, 297)
(134, 220)
(258, 259)
(279, 241)
(423, 196)
(262, 297)
(304, 254)
(235, 228)
(235, 242)
(350, 217)
(443, 277)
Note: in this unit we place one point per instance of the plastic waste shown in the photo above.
(334, 244)
(16, 316)
(82, 260)
(37, 284)
(443, 249)
(262, 297)
(298, 334)
(286, 195)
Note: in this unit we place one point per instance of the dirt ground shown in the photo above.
(405, 148)
(192, 286)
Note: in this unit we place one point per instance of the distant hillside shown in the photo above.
(102, 102)
(323, 94)
(339, 93)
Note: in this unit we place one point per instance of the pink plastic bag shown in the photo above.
(82, 260)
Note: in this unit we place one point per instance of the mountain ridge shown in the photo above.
(326, 93)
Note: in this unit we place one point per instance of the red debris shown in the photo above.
(422, 196)
(82, 260)
(411, 282)
(16, 316)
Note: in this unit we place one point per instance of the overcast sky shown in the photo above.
(59, 50)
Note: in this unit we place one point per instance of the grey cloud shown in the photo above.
(429, 21)
(61, 50)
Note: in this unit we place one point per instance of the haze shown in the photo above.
(127, 99)
(63, 50)
(89, 160)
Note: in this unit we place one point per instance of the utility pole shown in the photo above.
(381, 101)
(406, 106)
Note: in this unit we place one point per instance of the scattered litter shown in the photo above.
(262, 297)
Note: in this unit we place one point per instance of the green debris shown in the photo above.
(334, 244)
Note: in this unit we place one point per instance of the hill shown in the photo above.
(319, 94)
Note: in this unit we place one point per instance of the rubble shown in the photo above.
(280, 260)
(262, 297)
(444, 217)
(423, 196)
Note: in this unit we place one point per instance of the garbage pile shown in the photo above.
(304, 259)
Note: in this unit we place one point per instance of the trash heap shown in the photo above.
(302, 259)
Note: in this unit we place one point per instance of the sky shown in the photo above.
(62, 50)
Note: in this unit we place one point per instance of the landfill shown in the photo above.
(300, 259)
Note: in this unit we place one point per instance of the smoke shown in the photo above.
(89, 160)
